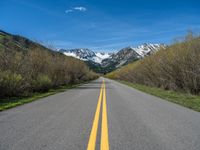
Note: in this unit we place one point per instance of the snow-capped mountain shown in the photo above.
(147, 49)
(111, 61)
(86, 55)
(130, 54)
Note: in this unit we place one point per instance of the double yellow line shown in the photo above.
(104, 124)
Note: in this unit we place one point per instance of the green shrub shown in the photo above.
(42, 83)
(11, 84)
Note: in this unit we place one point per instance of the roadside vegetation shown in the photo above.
(27, 68)
(184, 99)
(174, 68)
(177, 67)
(9, 102)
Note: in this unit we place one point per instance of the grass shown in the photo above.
(16, 101)
(184, 99)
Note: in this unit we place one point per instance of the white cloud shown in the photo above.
(68, 11)
(79, 8)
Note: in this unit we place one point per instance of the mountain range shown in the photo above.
(86, 54)
(105, 62)
(101, 62)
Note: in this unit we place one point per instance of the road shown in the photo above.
(101, 115)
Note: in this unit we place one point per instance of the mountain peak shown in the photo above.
(86, 54)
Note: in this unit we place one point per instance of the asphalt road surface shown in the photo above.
(100, 115)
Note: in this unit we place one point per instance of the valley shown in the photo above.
(102, 62)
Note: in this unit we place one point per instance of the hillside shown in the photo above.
(27, 67)
(174, 68)
(18, 43)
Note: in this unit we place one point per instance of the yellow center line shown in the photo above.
(104, 125)
(93, 134)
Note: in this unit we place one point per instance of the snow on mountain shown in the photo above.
(113, 60)
(129, 54)
(71, 54)
(86, 55)
(103, 55)
(100, 56)
(145, 49)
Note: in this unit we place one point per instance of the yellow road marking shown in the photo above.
(104, 125)
(93, 134)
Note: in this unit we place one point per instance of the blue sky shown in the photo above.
(101, 25)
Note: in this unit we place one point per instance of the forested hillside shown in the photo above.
(177, 67)
(27, 67)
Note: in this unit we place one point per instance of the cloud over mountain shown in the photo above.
(77, 8)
